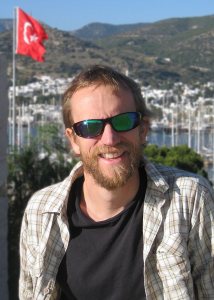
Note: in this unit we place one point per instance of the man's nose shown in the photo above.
(109, 136)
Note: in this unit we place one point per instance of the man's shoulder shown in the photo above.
(180, 174)
(169, 172)
(49, 196)
(173, 177)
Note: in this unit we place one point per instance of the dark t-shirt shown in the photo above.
(104, 260)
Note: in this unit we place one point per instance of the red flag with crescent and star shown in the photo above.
(30, 36)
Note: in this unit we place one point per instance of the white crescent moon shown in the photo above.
(26, 25)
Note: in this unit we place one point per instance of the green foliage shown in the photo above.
(30, 170)
(181, 157)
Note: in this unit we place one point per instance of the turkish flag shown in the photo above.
(30, 35)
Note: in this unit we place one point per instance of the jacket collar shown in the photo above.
(155, 176)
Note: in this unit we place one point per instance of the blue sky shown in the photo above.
(73, 14)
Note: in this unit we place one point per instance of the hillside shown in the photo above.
(65, 56)
(94, 31)
(175, 49)
(158, 53)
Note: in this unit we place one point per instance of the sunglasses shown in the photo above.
(94, 127)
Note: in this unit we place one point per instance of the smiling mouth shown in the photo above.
(111, 155)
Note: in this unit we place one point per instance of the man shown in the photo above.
(118, 227)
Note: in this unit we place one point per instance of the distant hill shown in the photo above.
(96, 31)
(158, 53)
(170, 50)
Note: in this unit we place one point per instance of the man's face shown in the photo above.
(112, 158)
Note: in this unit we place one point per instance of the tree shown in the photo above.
(181, 157)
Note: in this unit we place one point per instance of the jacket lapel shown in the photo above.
(152, 217)
(154, 200)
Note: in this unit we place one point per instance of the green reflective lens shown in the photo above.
(123, 122)
(93, 126)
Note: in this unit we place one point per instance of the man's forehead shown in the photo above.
(113, 89)
(100, 102)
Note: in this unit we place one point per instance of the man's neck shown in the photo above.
(101, 204)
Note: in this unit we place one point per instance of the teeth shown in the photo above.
(110, 155)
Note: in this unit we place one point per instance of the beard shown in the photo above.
(119, 174)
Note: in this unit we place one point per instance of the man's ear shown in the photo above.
(72, 140)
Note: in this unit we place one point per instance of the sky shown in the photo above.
(74, 14)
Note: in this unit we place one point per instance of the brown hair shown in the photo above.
(101, 75)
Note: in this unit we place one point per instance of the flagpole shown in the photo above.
(14, 81)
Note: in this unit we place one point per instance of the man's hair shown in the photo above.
(101, 75)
